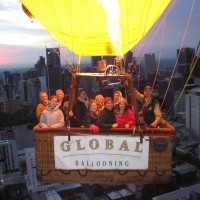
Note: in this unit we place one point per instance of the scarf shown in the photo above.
(85, 101)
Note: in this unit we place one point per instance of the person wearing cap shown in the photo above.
(124, 116)
(151, 112)
(106, 118)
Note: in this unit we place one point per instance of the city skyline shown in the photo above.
(23, 41)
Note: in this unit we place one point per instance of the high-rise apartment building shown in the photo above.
(54, 79)
(23, 91)
(33, 89)
(53, 57)
(150, 64)
(179, 104)
(53, 70)
(177, 81)
(8, 156)
(33, 185)
(193, 111)
(15, 89)
(43, 83)
(23, 131)
(7, 78)
(40, 66)
(186, 56)
(7, 135)
(196, 71)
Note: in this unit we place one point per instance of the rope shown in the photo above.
(68, 57)
(191, 71)
(192, 66)
(179, 52)
(161, 48)
(144, 40)
(158, 24)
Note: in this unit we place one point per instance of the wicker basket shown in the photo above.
(159, 170)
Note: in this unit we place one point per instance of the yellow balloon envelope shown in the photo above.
(97, 27)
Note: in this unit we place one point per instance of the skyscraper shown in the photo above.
(150, 64)
(23, 91)
(53, 57)
(196, 71)
(33, 89)
(40, 66)
(7, 85)
(53, 71)
(185, 60)
(33, 185)
(8, 156)
(54, 80)
(7, 78)
(193, 111)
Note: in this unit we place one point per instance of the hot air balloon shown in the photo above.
(134, 155)
(100, 27)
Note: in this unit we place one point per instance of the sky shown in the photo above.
(23, 40)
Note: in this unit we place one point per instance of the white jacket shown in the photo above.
(52, 118)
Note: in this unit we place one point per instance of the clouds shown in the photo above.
(175, 28)
(22, 41)
(14, 54)
(16, 27)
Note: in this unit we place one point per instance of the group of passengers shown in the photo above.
(97, 113)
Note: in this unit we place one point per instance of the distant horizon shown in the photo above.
(24, 40)
(27, 66)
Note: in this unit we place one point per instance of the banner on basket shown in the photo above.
(101, 152)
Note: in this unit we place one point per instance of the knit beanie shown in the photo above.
(107, 99)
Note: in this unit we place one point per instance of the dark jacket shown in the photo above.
(106, 119)
(79, 111)
(148, 111)
(90, 118)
